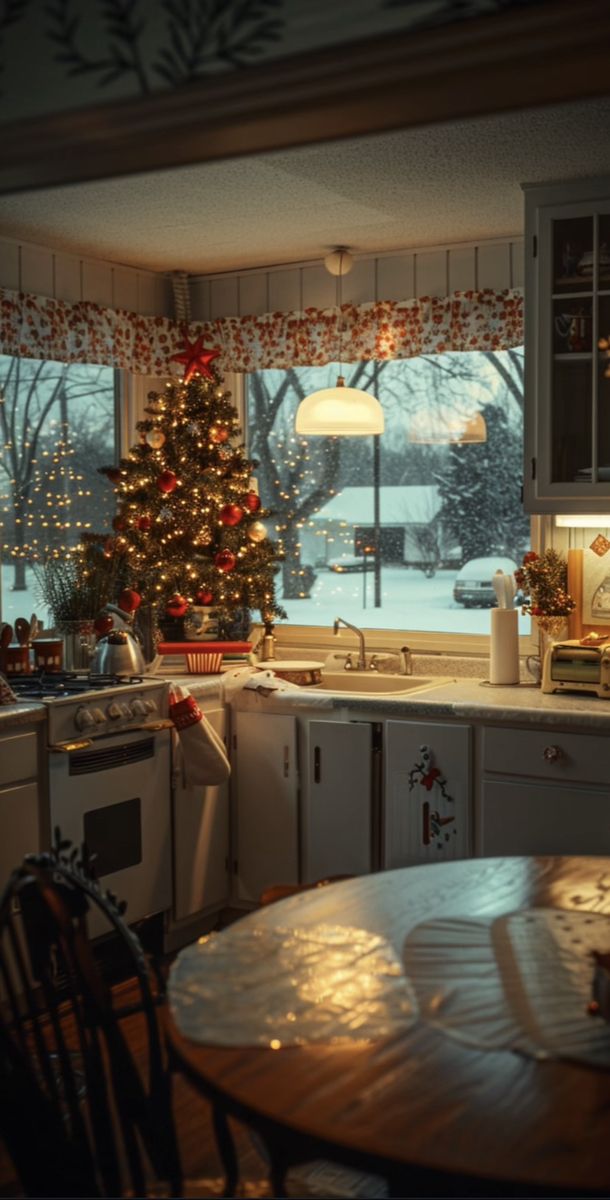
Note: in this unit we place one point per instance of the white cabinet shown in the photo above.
(337, 811)
(265, 802)
(201, 840)
(567, 311)
(19, 799)
(544, 792)
(426, 811)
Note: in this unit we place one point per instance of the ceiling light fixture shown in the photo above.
(339, 411)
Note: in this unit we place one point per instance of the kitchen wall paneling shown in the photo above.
(28, 267)
(125, 289)
(224, 297)
(319, 288)
(493, 265)
(253, 295)
(395, 277)
(432, 271)
(199, 290)
(284, 290)
(36, 271)
(462, 269)
(68, 278)
(10, 270)
(97, 282)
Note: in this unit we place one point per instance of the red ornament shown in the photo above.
(196, 360)
(166, 482)
(144, 524)
(204, 597)
(176, 607)
(129, 600)
(119, 523)
(103, 624)
(231, 514)
(252, 502)
(219, 433)
(531, 556)
(113, 474)
(225, 560)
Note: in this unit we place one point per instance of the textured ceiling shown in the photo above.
(425, 186)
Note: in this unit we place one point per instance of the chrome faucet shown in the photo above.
(361, 663)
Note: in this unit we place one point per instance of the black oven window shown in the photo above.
(114, 835)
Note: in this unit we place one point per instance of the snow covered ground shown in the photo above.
(409, 601)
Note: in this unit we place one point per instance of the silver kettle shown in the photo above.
(118, 653)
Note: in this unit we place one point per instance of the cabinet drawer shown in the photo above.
(547, 755)
(534, 818)
(18, 757)
(20, 827)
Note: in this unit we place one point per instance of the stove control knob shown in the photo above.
(150, 706)
(84, 718)
(113, 711)
(98, 716)
(138, 708)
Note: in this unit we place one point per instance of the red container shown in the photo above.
(48, 654)
(17, 660)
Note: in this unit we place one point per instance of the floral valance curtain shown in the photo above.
(39, 327)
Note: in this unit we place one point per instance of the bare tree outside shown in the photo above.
(57, 424)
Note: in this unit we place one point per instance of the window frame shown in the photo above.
(294, 639)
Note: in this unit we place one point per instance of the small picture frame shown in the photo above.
(589, 584)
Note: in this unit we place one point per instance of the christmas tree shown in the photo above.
(188, 510)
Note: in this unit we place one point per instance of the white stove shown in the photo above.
(94, 705)
(109, 772)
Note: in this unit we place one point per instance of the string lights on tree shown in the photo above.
(189, 519)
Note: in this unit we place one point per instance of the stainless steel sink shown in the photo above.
(373, 683)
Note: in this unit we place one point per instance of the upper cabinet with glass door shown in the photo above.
(567, 332)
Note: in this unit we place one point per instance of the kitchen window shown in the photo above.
(58, 424)
(443, 480)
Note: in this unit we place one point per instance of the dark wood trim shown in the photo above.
(556, 51)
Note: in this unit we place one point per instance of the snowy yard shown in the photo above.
(409, 601)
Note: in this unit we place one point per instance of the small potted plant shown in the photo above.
(543, 579)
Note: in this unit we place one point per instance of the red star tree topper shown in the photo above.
(196, 358)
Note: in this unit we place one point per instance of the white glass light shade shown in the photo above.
(340, 412)
(446, 428)
(339, 261)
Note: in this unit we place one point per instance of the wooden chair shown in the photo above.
(83, 1120)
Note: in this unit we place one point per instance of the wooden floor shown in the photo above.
(201, 1166)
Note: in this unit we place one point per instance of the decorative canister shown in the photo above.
(17, 659)
(48, 654)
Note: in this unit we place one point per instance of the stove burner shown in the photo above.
(55, 684)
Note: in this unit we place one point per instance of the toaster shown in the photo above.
(574, 666)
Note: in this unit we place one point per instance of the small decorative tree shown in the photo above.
(188, 511)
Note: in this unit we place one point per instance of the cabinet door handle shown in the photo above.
(317, 756)
(552, 754)
(286, 762)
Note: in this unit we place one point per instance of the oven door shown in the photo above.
(115, 796)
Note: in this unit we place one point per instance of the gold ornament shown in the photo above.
(155, 438)
(257, 532)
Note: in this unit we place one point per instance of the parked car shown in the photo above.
(473, 585)
(352, 562)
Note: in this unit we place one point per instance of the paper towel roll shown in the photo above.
(504, 646)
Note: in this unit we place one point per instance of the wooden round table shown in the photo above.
(432, 1115)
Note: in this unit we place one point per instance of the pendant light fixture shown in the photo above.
(339, 411)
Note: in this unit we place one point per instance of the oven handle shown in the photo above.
(85, 743)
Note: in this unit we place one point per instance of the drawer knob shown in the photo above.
(552, 753)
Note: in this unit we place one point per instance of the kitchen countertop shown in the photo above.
(463, 699)
(23, 712)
